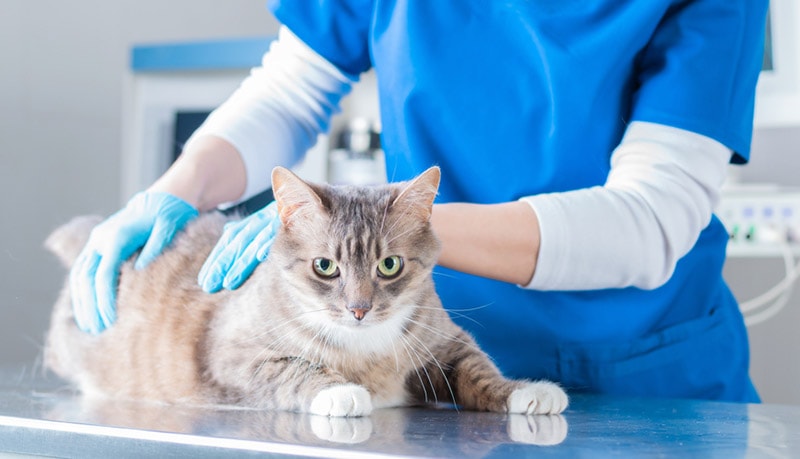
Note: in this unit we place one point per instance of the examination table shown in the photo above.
(39, 415)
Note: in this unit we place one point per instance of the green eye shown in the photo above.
(326, 268)
(390, 267)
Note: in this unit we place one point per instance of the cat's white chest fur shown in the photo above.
(367, 346)
(365, 339)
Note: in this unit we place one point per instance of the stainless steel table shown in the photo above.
(38, 416)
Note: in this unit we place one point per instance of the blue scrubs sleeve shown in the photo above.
(700, 69)
(337, 30)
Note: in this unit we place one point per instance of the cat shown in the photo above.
(341, 318)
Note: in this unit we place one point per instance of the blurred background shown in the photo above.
(83, 126)
(64, 69)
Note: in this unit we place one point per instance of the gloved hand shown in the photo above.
(242, 246)
(149, 220)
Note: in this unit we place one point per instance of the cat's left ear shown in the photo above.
(417, 197)
(293, 195)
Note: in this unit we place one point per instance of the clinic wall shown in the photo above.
(63, 68)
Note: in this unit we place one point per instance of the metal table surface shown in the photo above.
(38, 416)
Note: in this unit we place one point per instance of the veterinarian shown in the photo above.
(582, 146)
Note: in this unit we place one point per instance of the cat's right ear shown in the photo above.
(417, 197)
(294, 196)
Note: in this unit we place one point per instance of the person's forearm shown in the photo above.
(209, 172)
(498, 241)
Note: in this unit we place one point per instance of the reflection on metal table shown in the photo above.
(39, 417)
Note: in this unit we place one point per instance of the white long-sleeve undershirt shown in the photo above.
(278, 111)
(659, 195)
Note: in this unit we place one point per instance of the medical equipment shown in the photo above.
(357, 159)
(764, 221)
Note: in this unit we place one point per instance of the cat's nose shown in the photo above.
(359, 310)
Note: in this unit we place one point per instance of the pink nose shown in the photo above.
(359, 313)
(359, 309)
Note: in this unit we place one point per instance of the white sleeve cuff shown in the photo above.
(660, 193)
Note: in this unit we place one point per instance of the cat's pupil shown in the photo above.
(388, 264)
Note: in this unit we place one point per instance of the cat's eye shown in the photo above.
(390, 267)
(325, 267)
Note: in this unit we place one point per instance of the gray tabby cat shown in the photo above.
(341, 318)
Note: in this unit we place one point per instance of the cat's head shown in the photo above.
(356, 257)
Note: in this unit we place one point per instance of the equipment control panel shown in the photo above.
(762, 221)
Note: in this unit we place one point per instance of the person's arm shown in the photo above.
(499, 241)
(271, 120)
(208, 174)
(661, 189)
(663, 185)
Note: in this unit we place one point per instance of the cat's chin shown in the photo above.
(352, 322)
(369, 335)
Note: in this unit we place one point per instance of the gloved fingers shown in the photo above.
(270, 211)
(229, 232)
(241, 269)
(218, 261)
(106, 286)
(265, 240)
(161, 236)
(229, 251)
(244, 265)
(82, 291)
(232, 259)
(216, 267)
(172, 215)
(149, 219)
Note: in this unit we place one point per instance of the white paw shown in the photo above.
(538, 398)
(341, 430)
(537, 430)
(342, 400)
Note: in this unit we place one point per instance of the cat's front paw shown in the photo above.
(540, 397)
(342, 400)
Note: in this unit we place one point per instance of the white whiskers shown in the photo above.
(438, 365)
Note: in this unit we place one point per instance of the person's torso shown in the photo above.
(520, 97)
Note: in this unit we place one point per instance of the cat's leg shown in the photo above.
(295, 384)
(477, 384)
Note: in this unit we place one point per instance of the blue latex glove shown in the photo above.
(242, 246)
(149, 220)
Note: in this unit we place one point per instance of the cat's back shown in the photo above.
(166, 292)
(155, 349)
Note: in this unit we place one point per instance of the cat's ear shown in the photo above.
(293, 195)
(417, 197)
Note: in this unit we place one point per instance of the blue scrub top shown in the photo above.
(521, 97)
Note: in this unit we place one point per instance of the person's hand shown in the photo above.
(149, 220)
(242, 246)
